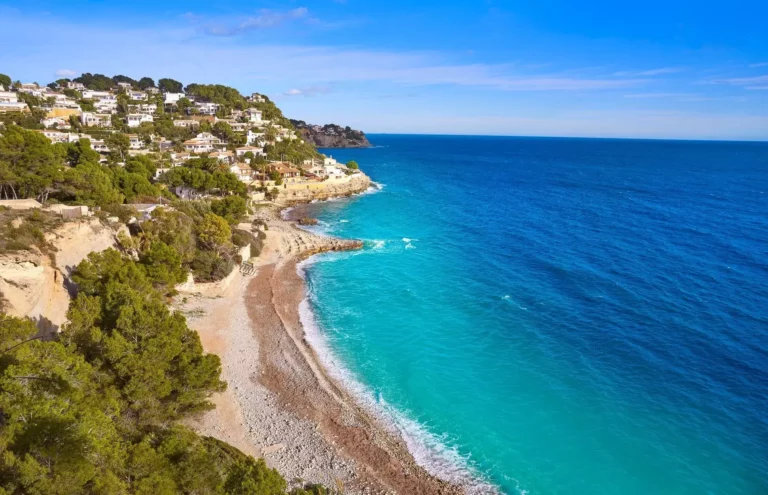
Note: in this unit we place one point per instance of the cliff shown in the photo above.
(33, 285)
(293, 193)
(331, 135)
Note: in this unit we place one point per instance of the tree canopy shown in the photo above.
(167, 85)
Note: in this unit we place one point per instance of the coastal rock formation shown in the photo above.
(32, 285)
(331, 135)
(356, 184)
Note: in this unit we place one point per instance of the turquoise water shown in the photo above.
(558, 316)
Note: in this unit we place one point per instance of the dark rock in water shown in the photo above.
(307, 221)
(331, 135)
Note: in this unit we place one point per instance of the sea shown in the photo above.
(556, 316)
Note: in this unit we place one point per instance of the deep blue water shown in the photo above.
(560, 316)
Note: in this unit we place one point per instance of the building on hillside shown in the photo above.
(13, 106)
(252, 138)
(223, 156)
(57, 136)
(209, 138)
(106, 106)
(124, 85)
(286, 170)
(136, 143)
(187, 123)
(243, 172)
(57, 122)
(136, 119)
(98, 145)
(90, 94)
(75, 85)
(253, 149)
(146, 108)
(256, 97)
(153, 90)
(137, 95)
(89, 119)
(254, 115)
(172, 98)
(329, 160)
(179, 158)
(8, 97)
(198, 146)
(207, 108)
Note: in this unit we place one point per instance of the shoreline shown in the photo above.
(281, 402)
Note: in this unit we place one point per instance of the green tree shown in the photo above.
(253, 477)
(231, 208)
(5, 81)
(118, 144)
(353, 165)
(163, 264)
(214, 232)
(167, 85)
(146, 83)
(30, 167)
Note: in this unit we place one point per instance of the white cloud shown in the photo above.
(310, 91)
(756, 83)
(267, 18)
(66, 73)
(650, 72)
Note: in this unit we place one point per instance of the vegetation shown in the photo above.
(353, 165)
(227, 97)
(5, 81)
(24, 230)
(167, 85)
(96, 82)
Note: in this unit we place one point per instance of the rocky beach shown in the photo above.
(280, 402)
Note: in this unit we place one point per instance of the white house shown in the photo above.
(13, 106)
(124, 85)
(254, 138)
(245, 149)
(8, 97)
(75, 85)
(179, 158)
(136, 119)
(172, 98)
(207, 108)
(198, 146)
(59, 122)
(257, 98)
(136, 143)
(98, 145)
(148, 108)
(329, 160)
(90, 94)
(208, 138)
(222, 156)
(254, 115)
(186, 123)
(137, 95)
(243, 172)
(95, 119)
(106, 106)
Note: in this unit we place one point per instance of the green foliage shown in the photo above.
(167, 85)
(292, 150)
(23, 230)
(146, 82)
(253, 477)
(5, 81)
(209, 266)
(97, 82)
(29, 166)
(231, 208)
(124, 79)
(203, 175)
(86, 105)
(175, 229)
(353, 165)
(214, 232)
(217, 93)
(91, 184)
(118, 144)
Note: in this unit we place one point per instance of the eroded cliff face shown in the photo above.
(356, 184)
(32, 285)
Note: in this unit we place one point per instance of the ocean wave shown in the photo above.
(433, 452)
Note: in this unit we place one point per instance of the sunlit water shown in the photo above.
(558, 316)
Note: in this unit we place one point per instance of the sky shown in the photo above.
(652, 69)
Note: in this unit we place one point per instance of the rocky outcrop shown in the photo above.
(35, 286)
(331, 135)
(355, 184)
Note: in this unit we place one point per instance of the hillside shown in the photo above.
(331, 135)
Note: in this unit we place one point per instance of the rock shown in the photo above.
(331, 135)
(307, 221)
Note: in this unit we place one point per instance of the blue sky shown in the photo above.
(694, 70)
